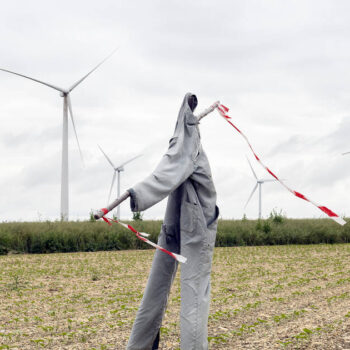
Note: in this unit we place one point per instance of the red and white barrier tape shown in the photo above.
(223, 112)
(142, 235)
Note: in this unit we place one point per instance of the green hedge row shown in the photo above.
(50, 237)
(281, 231)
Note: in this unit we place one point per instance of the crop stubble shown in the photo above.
(277, 297)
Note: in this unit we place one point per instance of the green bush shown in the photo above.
(277, 217)
(137, 216)
(3, 250)
(51, 237)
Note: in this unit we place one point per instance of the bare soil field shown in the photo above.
(276, 297)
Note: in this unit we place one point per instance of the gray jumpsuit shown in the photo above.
(189, 228)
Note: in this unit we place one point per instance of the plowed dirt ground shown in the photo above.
(277, 297)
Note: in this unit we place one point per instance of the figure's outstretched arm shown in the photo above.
(175, 167)
(101, 212)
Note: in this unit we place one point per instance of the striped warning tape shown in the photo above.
(142, 236)
(223, 112)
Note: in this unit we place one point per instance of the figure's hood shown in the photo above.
(185, 116)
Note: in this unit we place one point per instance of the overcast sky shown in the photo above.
(282, 67)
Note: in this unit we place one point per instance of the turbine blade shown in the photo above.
(110, 191)
(86, 75)
(109, 161)
(75, 131)
(251, 195)
(252, 169)
(128, 161)
(345, 153)
(36, 80)
(271, 180)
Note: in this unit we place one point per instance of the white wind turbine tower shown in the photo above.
(67, 105)
(259, 182)
(118, 169)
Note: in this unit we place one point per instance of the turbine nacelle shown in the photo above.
(118, 170)
(259, 183)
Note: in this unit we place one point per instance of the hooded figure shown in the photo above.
(189, 229)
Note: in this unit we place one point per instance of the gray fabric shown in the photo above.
(189, 228)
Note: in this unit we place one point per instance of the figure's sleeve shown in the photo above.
(175, 167)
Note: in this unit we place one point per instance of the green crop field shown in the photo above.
(267, 297)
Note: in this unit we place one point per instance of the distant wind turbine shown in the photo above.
(259, 182)
(118, 169)
(345, 153)
(67, 105)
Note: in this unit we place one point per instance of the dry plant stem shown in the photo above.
(122, 198)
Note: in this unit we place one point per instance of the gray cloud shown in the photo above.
(282, 68)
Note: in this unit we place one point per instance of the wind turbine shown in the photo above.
(118, 169)
(259, 182)
(67, 105)
(345, 153)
